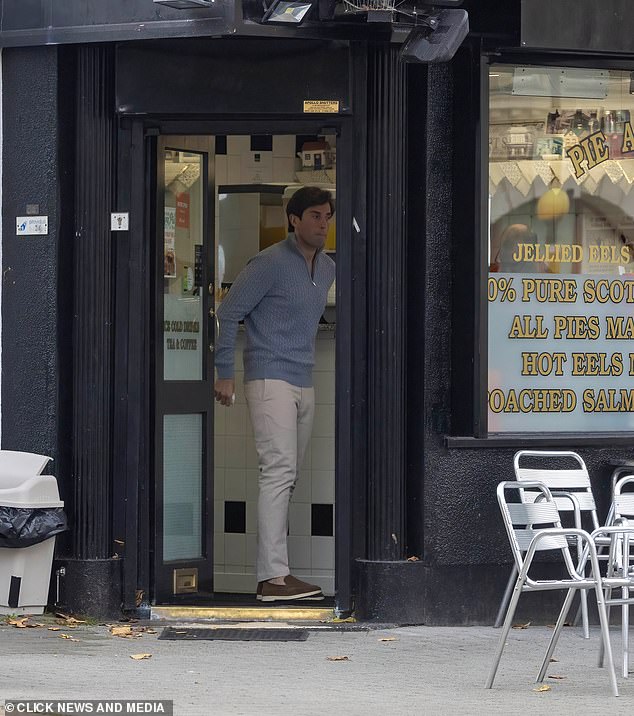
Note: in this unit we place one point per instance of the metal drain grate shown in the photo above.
(233, 634)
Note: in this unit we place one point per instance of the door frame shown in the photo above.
(137, 139)
(178, 397)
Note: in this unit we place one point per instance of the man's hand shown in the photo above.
(225, 391)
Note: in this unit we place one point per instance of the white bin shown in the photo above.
(25, 572)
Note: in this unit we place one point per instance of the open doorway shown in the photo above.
(255, 177)
(220, 200)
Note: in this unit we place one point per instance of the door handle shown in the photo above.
(212, 314)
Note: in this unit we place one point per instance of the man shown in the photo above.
(281, 295)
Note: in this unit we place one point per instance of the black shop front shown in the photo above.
(162, 145)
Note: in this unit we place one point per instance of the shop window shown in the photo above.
(561, 250)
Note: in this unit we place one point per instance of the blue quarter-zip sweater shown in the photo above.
(281, 304)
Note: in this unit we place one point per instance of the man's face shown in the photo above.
(312, 228)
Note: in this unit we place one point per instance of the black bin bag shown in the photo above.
(24, 526)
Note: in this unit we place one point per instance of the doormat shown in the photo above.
(235, 634)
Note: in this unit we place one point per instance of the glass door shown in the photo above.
(184, 369)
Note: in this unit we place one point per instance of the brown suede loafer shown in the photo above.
(292, 588)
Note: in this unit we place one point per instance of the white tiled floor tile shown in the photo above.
(234, 169)
(252, 517)
(220, 169)
(235, 484)
(323, 552)
(250, 454)
(323, 454)
(235, 549)
(251, 552)
(232, 581)
(284, 145)
(323, 487)
(324, 421)
(235, 451)
(219, 550)
(283, 169)
(299, 518)
(252, 484)
(234, 568)
(219, 450)
(219, 483)
(306, 461)
(324, 388)
(299, 553)
(238, 143)
(239, 379)
(220, 413)
(219, 516)
(302, 487)
(236, 420)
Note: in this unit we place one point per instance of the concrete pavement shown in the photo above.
(420, 670)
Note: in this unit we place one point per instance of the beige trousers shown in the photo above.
(282, 419)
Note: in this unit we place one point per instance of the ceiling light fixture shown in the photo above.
(287, 12)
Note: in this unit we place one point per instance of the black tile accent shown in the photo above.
(221, 144)
(321, 520)
(236, 517)
(261, 142)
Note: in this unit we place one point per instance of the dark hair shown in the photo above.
(306, 197)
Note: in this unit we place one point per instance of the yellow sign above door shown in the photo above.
(321, 106)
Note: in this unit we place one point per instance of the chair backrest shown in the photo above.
(523, 520)
(572, 478)
(624, 501)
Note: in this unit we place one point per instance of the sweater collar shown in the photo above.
(292, 241)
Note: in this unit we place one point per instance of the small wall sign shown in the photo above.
(321, 106)
(119, 221)
(31, 225)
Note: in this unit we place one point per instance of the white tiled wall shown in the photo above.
(236, 479)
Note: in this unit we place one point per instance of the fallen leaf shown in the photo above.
(388, 638)
(68, 636)
(543, 687)
(338, 658)
(556, 676)
(68, 620)
(138, 657)
(23, 623)
(339, 620)
(521, 626)
(552, 659)
(413, 558)
(54, 628)
(19, 623)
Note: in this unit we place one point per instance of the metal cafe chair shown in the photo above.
(533, 527)
(572, 492)
(620, 557)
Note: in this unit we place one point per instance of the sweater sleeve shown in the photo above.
(249, 288)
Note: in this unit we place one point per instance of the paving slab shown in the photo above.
(417, 670)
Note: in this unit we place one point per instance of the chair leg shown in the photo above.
(557, 631)
(625, 626)
(584, 614)
(508, 621)
(605, 637)
(505, 599)
(608, 596)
